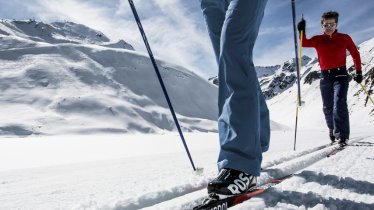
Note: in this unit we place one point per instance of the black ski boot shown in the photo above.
(231, 182)
(332, 136)
(343, 142)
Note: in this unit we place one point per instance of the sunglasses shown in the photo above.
(329, 25)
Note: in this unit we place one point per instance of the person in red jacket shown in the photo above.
(331, 49)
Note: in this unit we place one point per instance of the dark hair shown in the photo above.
(330, 15)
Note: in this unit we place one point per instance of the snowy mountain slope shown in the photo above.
(281, 79)
(67, 78)
(361, 111)
(57, 32)
(106, 172)
(262, 71)
(276, 79)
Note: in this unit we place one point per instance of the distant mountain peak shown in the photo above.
(58, 32)
(267, 73)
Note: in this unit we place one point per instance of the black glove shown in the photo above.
(358, 77)
(301, 25)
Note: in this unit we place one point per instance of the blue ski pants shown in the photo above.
(334, 88)
(243, 123)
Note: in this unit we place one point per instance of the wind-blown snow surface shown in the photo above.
(66, 78)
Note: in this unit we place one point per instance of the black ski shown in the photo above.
(222, 204)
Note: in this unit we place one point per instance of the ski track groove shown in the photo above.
(320, 185)
(186, 196)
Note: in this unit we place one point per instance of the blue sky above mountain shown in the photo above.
(176, 28)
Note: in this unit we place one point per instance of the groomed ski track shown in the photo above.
(187, 196)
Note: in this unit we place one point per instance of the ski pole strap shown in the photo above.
(137, 19)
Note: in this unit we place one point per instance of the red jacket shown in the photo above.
(331, 50)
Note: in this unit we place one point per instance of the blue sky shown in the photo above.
(176, 29)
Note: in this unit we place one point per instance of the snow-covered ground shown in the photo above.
(152, 171)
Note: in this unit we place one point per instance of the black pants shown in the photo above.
(334, 88)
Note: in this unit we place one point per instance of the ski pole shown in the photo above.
(297, 97)
(297, 114)
(363, 88)
(301, 52)
(137, 19)
(296, 56)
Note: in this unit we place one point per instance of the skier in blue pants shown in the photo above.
(243, 124)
